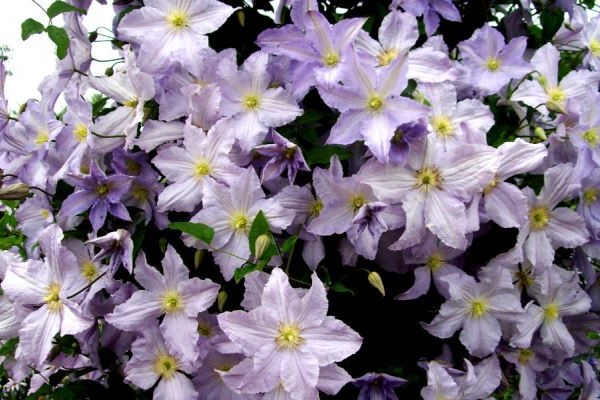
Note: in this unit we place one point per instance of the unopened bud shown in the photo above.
(198, 257)
(93, 36)
(540, 133)
(241, 17)
(109, 71)
(221, 299)
(14, 192)
(376, 281)
(262, 243)
(556, 107)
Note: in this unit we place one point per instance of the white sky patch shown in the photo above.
(31, 60)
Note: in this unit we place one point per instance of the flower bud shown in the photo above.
(260, 246)
(198, 257)
(540, 133)
(376, 281)
(221, 299)
(14, 192)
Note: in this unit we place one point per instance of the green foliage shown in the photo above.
(200, 231)
(322, 154)
(31, 27)
(244, 270)
(61, 40)
(260, 226)
(60, 7)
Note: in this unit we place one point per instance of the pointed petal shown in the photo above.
(140, 310)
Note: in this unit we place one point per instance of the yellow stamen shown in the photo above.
(139, 193)
(435, 261)
(89, 271)
(428, 177)
(375, 104)
(201, 169)
(171, 302)
(491, 186)
(239, 222)
(178, 19)
(133, 167)
(478, 309)
(52, 299)
(165, 366)
(493, 64)
(539, 217)
(331, 59)
(551, 312)
(594, 47)
(288, 337)
(357, 201)
(205, 329)
(44, 213)
(590, 195)
(251, 102)
(386, 57)
(80, 132)
(442, 125)
(101, 190)
(525, 355)
(131, 103)
(591, 137)
(42, 137)
(315, 208)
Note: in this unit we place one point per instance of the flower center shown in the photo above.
(139, 193)
(556, 95)
(375, 104)
(551, 312)
(42, 137)
(52, 299)
(398, 136)
(80, 132)
(290, 151)
(493, 64)
(331, 59)
(590, 195)
(442, 125)
(171, 302)
(591, 137)
(595, 47)
(205, 330)
(89, 270)
(201, 169)
(251, 102)
(133, 167)
(524, 278)
(239, 222)
(539, 217)
(428, 177)
(44, 213)
(131, 103)
(315, 208)
(165, 366)
(288, 337)
(357, 201)
(478, 308)
(178, 19)
(102, 189)
(525, 355)
(435, 261)
(490, 187)
(386, 57)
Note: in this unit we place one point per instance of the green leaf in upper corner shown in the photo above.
(61, 40)
(244, 270)
(30, 27)
(339, 287)
(322, 154)
(289, 243)
(59, 7)
(196, 229)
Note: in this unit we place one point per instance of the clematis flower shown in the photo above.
(477, 307)
(153, 361)
(98, 192)
(528, 363)
(230, 212)
(118, 246)
(166, 30)
(47, 285)
(253, 106)
(173, 295)
(4, 114)
(430, 10)
(287, 339)
(285, 155)
(377, 386)
(492, 63)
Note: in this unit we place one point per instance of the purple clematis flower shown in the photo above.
(377, 386)
(430, 10)
(284, 155)
(100, 193)
(118, 246)
(288, 338)
(173, 295)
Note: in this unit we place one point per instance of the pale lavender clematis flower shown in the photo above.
(477, 307)
(492, 63)
(433, 188)
(253, 106)
(546, 93)
(285, 155)
(582, 124)
(371, 105)
(589, 38)
(129, 87)
(46, 285)
(167, 30)
(478, 382)
(430, 10)
(4, 114)
(435, 260)
(152, 360)
(548, 227)
(208, 381)
(377, 386)
(559, 295)
(173, 295)
(404, 137)
(230, 211)
(203, 157)
(118, 246)
(288, 338)
(589, 206)
(33, 215)
(528, 363)
(100, 193)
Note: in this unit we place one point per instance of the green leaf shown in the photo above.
(30, 27)
(244, 270)
(61, 40)
(197, 230)
(289, 243)
(9, 347)
(260, 226)
(322, 154)
(339, 287)
(59, 7)
(551, 20)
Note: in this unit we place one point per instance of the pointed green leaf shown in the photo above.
(59, 7)
(197, 230)
(339, 287)
(260, 226)
(289, 243)
(60, 38)
(30, 27)
(244, 270)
